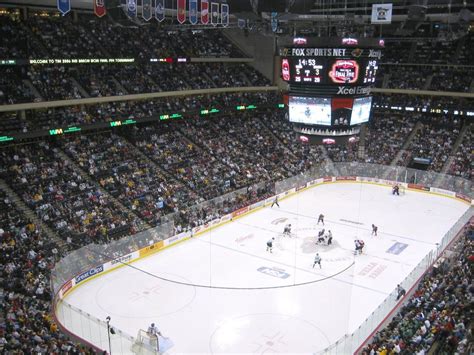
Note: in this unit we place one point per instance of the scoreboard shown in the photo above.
(348, 70)
(329, 85)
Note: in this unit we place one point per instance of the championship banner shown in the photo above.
(99, 8)
(225, 15)
(132, 8)
(214, 13)
(381, 13)
(64, 6)
(181, 15)
(241, 23)
(193, 9)
(146, 10)
(204, 12)
(160, 10)
(274, 21)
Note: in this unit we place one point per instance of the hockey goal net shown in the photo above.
(145, 343)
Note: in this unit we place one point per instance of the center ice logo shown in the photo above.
(275, 272)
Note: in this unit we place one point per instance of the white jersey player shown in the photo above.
(317, 260)
(153, 331)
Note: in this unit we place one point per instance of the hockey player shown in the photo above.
(400, 292)
(287, 230)
(317, 260)
(270, 244)
(359, 245)
(374, 229)
(153, 331)
(329, 238)
(320, 236)
(275, 202)
(396, 190)
(321, 219)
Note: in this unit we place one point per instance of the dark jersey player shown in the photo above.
(270, 245)
(374, 229)
(321, 219)
(396, 190)
(275, 202)
(287, 230)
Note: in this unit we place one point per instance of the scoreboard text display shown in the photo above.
(352, 69)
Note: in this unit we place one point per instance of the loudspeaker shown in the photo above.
(465, 15)
(417, 12)
(271, 6)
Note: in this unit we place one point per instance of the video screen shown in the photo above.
(310, 110)
(341, 111)
(361, 110)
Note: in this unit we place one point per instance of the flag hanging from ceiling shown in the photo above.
(193, 9)
(132, 8)
(160, 10)
(381, 13)
(64, 6)
(146, 10)
(214, 13)
(274, 21)
(204, 12)
(225, 15)
(181, 15)
(99, 8)
(241, 23)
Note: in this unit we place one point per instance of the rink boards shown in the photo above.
(245, 238)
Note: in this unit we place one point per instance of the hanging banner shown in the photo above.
(132, 8)
(274, 21)
(225, 15)
(99, 8)
(381, 13)
(181, 15)
(160, 10)
(241, 23)
(204, 12)
(146, 10)
(64, 6)
(214, 13)
(193, 11)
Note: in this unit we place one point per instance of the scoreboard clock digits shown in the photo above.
(308, 70)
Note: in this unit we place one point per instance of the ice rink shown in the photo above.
(262, 302)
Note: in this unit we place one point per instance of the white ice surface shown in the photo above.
(297, 319)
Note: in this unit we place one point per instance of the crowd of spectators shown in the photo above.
(117, 110)
(434, 140)
(48, 35)
(341, 153)
(408, 77)
(73, 206)
(27, 257)
(194, 169)
(12, 88)
(385, 136)
(462, 164)
(438, 315)
(61, 82)
(116, 166)
(452, 79)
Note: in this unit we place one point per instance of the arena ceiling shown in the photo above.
(316, 16)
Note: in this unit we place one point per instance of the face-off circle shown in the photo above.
(137, 289)
(266, 333)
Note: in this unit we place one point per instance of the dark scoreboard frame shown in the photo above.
(329, 66)
(339, 70)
